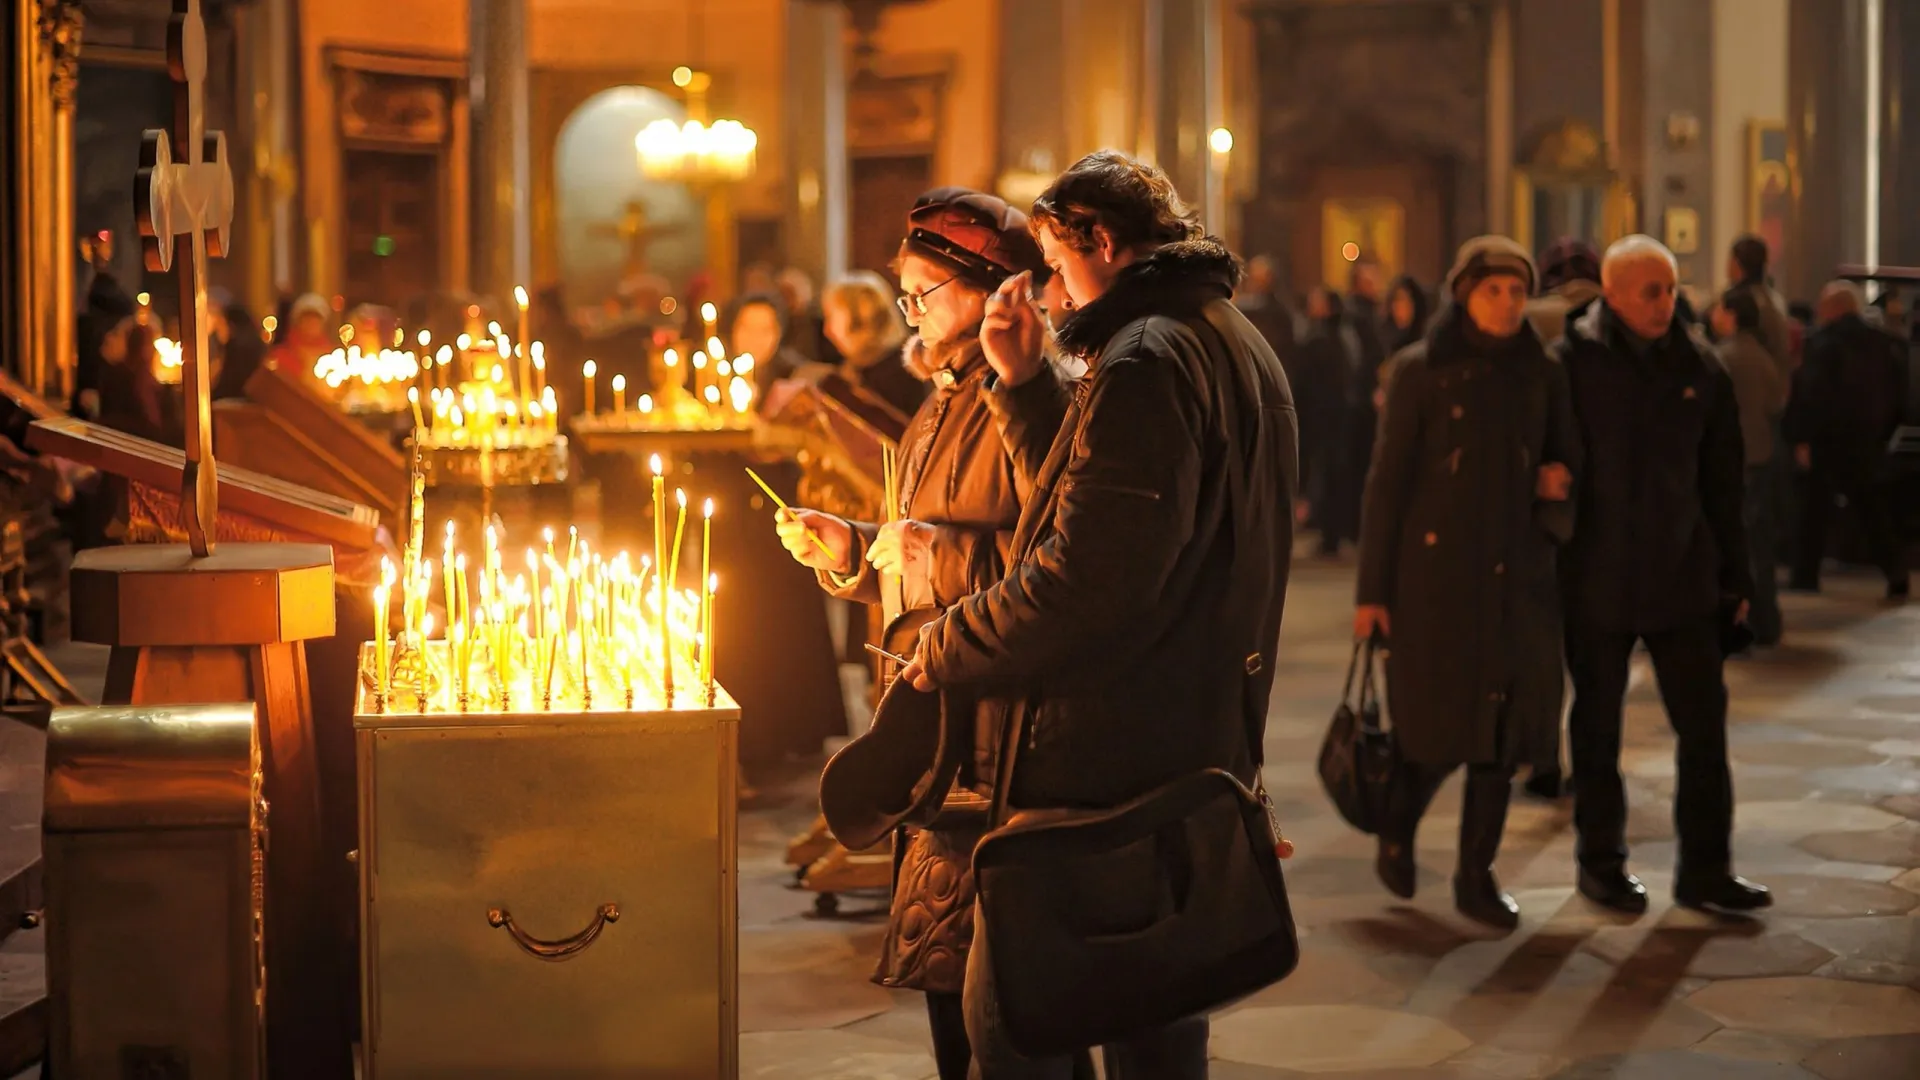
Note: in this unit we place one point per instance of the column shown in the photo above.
(502, 163)
(1213, 159)
(817, 138)
(62, 23)
(1500, 148)
(1900, 132)
(1827, 136)
(264, 112)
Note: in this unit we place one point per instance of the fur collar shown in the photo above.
(1175, 279)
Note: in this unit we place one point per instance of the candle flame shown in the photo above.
(589, 369)
(672, 358)
(707, 509)
(654, 463)
(680, 496)
(646, 403)
(520, 296)
(465, 341)
(619, 383)
(425, 338)
(708, 312)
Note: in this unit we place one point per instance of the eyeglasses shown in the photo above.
(917, 302)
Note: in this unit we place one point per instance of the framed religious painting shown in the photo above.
(1769, 184)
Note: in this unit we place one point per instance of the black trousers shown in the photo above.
(1688, 663)
(1483, 809)
(1868, 496)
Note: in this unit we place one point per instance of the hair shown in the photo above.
(1422, 310)
(770, 301)
(868, 300)
(1133, 201)
(1741, 305)
(1750, 255)
(1636, 248)
(1568, 259)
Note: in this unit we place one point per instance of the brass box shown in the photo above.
(548, 895)
(152, 846)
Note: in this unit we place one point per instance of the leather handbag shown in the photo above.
(1102, 924)
(1359, 760)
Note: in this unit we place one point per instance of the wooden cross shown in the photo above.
(184, 209)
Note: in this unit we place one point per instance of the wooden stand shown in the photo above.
(231, 627)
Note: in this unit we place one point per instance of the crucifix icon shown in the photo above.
(184, 208)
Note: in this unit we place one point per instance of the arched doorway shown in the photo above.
(615, 229)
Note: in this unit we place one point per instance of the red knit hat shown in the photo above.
(978, 235)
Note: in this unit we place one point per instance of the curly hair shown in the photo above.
(1134, 201)
(871, 314)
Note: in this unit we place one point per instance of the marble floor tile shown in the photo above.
(830, 1055)
(1767, 1046)
(1311, 1038)
(1826, 897)
(1878, 1057)
(1805, 1005)
(1679, 1065)
(1730, 951)
(1897, 846)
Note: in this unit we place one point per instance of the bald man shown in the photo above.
(1847, 401)
(1660, 557)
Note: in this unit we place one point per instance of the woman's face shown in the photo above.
(840, 329)
(1401, 309)
(1498, 305)
(954, 308)
(756, 330)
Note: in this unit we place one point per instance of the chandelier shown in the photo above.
(699, 151)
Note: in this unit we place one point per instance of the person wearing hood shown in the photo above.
(1130, 638)
(1569, 281)
(1327, 374)
(1660, 558)
(1408, 313)
(307, 334)
(1847, 403)
(960, 486)
(1465, 505)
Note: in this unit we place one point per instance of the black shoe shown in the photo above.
(1614, 889)
(1898, 591)
(1393, 863)
(1549, 786)
(1479, 897)
(1726, 892)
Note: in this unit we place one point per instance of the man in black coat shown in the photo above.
(1137, 626)
(1847, 401)
(1660, 557)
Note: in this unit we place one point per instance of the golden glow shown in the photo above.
(1221, 140)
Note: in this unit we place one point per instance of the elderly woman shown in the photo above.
(1465, 503)
(864, 324)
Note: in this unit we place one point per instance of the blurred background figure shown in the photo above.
(1761, 390)
(864, 326)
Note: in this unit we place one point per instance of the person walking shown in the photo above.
(1747, 263)
(1847, 402)
(1569, 281)
(1660, 558)
(1328, 367)
(960, 497)
(1466, 501)
(1113, 632)
(1761, 393)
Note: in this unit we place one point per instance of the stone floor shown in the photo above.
(1826, 748)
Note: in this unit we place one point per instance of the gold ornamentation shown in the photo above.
(61, 25)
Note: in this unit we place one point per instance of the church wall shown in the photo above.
(963, 36)
(1558, 58)
(436, 27)
(1749, 84)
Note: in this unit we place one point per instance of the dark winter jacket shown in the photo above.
(1135, 644)
(1460, 550)
(1661, 541)
(1849, 394)
(956, 475)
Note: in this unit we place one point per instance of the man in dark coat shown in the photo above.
(1136, 646)
(960, 493)
(1464, 506)
(1847, 401)
(1660, 557)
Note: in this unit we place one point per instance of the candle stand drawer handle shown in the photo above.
(565, 948)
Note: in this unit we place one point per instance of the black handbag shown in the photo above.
(1359, 760)
(1102, 924)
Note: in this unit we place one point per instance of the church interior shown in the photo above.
(402, 674)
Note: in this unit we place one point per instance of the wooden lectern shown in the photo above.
(285, 430)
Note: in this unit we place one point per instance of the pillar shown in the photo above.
(62, 22)
(32, 120)
(1501, 157)
(1828, 130)
(1900, 132)
(502, 157)
(265, 112)
(817, 143)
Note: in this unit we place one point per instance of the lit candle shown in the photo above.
(446, 570)
(520, 300)
(679, 532)
(619, 395)
(706, 594)
(708, 315)
(587, 371)
(646, 404)
(539, 349)
(380, 595)
(660, 577)
(550, 408)
(706, 632)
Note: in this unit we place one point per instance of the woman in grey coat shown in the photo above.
(1467, 498)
